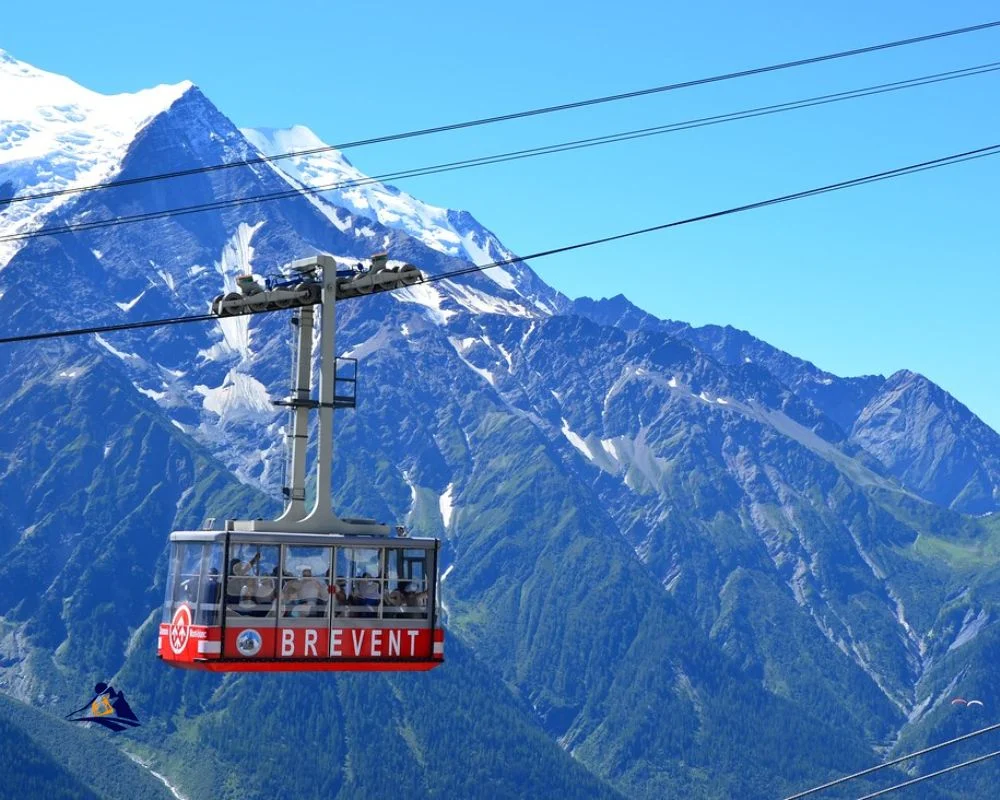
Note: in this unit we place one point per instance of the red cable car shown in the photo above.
(259, 601)
(307, 591)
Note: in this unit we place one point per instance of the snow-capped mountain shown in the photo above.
(454, 233)
(665, 542)
(71, 137)
(57, 135)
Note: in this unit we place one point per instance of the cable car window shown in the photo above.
(339, 588)
(305, 586)
(210, 594)
(361, 570)
(406, 583)
(252, 583)
(173, 573)
(190, 573)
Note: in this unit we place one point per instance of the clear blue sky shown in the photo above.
(900, 274)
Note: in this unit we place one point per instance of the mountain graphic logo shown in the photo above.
(180, 629)
(108, 707)
(249, 642)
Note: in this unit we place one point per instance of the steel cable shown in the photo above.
(894, 762)
(512, 116)
(515, 155)
(944, 161)
(930, 775)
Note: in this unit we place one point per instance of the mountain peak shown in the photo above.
(932, 443)
(297, 137)
(50, 87)
(617, 311)
(456, 234)
(57, 135)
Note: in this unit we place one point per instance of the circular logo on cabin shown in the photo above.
(248, 643)
(180, 629)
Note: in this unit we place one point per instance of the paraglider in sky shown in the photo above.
(972, 703)
(959, 701)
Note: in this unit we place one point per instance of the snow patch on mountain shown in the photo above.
(479, 253)
(507, 357)
(235, 260)
(350, 188)
(430, 298)
(447, 507)
(128, 357)
(576, 440)
(479, 302)
(335, 183)
(371, 345)
(152, 394)
(461, 347)
(130, 304)
(239, 396)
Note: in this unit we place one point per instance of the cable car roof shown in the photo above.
(314, 539)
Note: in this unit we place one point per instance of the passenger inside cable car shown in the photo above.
(368, 600)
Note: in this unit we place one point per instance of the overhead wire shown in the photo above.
(894, 762)
(931, 775)
(873, 178)
(511, 116)
(515, 155)
(936, 163)
(123, 326)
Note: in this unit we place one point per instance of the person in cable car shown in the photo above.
(367, 593)
(303, 598)
(338, 596)
(397, 597)
(241, 585)
(266, 593)
(239, 567)
(246, 604)
(211, 593)
(311, 593)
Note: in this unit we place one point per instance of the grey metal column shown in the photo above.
(322, 510)
(295, 507)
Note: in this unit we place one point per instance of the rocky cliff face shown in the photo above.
(932, 443)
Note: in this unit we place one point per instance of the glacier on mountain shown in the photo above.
(450, 232)
(57, 135)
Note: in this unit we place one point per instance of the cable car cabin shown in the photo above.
(308, 590)
(280, 602)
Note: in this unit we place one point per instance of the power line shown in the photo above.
(955, 158)
(515, 155)
(892, 763)
(508, 117)
(930, 775)
(124, 326)
(878, 176)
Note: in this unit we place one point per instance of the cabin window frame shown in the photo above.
(285, 618)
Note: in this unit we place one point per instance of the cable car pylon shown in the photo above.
(307, 590)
